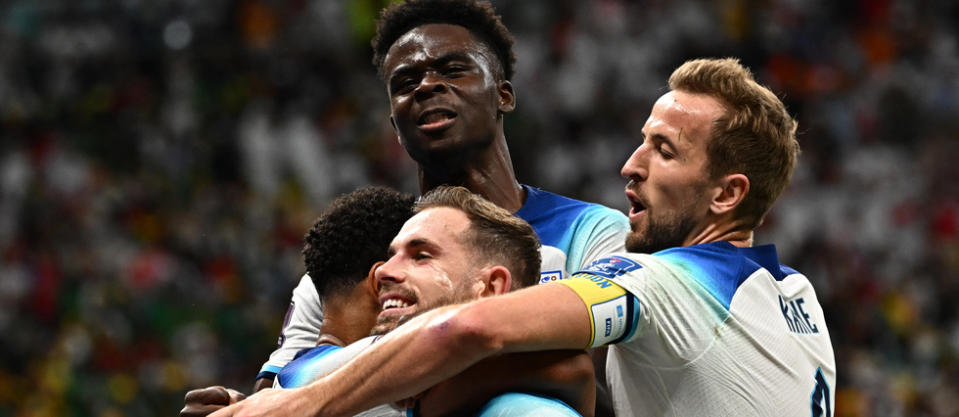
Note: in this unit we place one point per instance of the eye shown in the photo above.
(422, 255)
(664, 152)
(404, 86)
(454, 71)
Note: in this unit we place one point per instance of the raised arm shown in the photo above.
(432, 348)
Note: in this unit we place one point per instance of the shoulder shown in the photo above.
(545, 206)
(537, 197)
(716, 267)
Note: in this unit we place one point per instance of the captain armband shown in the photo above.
(613, 311)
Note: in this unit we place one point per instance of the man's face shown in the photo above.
(669, 190)
(445, 96)
(429, 267)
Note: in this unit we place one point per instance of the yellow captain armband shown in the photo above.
(612, 310)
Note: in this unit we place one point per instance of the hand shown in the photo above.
(267, 402)
(203, 401)
(408, 403)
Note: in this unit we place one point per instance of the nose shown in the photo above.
(635, 168)
(389, 272)
(430, 84)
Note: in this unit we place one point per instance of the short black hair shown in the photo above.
(352, 234)
(477, 16)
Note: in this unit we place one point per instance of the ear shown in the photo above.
(498, 280)
(507, 98)
(373, 283)
(731, 191)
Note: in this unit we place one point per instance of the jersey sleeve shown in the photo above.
(613, 311)
(601, 231)
(301, 327)
(319, 362)
(673, 300)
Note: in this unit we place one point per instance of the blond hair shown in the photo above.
(756, 136)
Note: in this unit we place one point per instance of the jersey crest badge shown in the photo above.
(612, 267)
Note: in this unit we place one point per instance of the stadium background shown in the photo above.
(162, 159)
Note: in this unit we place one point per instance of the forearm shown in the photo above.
(446, 341)
(262, 383)
(412, 358)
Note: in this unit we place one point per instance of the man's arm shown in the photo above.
(566, 375)
(262, 383)
(434, 347)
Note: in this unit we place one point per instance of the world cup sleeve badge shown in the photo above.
(550, 276)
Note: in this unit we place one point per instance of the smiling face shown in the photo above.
(446, 96)
(668, 189)
(429, 266)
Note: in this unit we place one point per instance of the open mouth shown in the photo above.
(636, 205)
(395, 303)
(435, 119)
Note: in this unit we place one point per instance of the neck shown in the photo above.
(487, 172)
(347, 320)
(735, 233)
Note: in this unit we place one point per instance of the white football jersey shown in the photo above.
(572, 234)
(301, 327)
(710, 330)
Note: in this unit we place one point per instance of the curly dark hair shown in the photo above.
(477, 16)
(352, 234)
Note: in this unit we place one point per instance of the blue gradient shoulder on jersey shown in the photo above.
(516, 404)
(592, 224)
(301, 370)
(551, 216)
(721, 267)
(567, 224)
(765, 256)
(717, 266)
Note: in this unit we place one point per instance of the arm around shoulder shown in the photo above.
(433, 347)
(542, 317)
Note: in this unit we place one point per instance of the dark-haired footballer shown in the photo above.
(339, 251)
(699, 321)
(447, 66)
(459, 247)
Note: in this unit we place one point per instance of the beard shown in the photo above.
(660, 235)
(386, 324)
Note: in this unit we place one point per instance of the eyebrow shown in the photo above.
(414, 244)
(444, 59)
(660, 137)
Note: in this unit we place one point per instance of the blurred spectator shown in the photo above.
(160, 162)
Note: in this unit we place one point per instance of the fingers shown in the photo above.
(215, 395)
(235, 396)
(203, 401)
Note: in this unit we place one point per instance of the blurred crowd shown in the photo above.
(161, 160)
